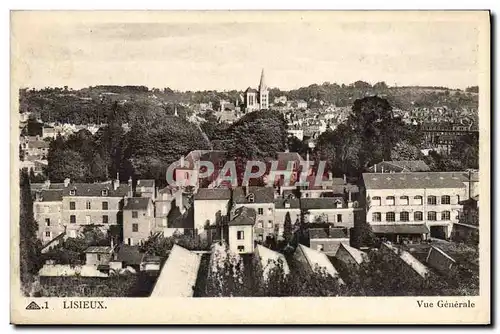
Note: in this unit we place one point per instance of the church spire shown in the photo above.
(262, 85)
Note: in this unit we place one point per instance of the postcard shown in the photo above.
(250, 167)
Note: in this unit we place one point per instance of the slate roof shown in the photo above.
(418, 180)
(99, 249)
(261, 194)
(243, 216)
(51, 195)
(213, 194)
(129, 254)
(95, 189)
(321, 203)
(400, 229)
(280, 203)
(401, 166)
(137, 203)
(145, 183)
(327, 233)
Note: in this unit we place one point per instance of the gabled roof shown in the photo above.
(213, 194)
(178, 276)
(418, 180)
(409, 259)
(328, 233)
(243, 216)
(355, 253)
(260, 195)
(137, 203)
(269, 259)
(95, 189)
(318, 260)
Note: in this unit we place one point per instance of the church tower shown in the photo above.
(263, 92)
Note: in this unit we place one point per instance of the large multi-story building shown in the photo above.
(413, 205)
(257, 99)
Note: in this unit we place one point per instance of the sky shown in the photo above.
(224, 50)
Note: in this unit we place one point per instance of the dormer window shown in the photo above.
(338, 204)
(251, 198)
(72, 192)
(104, 192)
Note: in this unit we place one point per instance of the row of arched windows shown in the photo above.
(416, 200)
(404, 216)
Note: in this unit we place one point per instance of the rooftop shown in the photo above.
(418, 180)
(137, 203)
(260, 195)
(328, 233)
(99, 249)
(355, 253)
(145, 183)
(401, 166)
(319, 260)
(178, 276)
(95, 189)
(213, 194)
(243, 216)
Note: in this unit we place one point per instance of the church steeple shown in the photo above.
(262, 85)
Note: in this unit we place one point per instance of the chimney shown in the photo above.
(66, 182)
(345, 179)
(47, 184)
(130, 190)
(182, 161)
(112, 243)
(382, 169)
(38, 196)
(178, 201)
(375, 166)
(287, 204)
(330, 176)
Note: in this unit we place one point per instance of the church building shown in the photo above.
(257, 99)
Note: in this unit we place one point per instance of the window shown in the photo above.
(47, 234)
(404, 200)
(431, 215)
(404, 216)
(445, 199)
(339, 218)
(431, 200)
(390, 216)
(88, 206)
(104, 205)
(376, 216)
(445, 215)
(261, 237)
(270, 224)
(417, 200)
(72, 192)
(251, 198)
(319, 247)
(135, 214)
(104, 192)
(261, 211)
(389, 200)
(47, 221)
(72, 205)
(260, 224)
(105, 219)
(98, 257)
(72, 219)
(377, 200)
(418, 216)
(241, 248)
(135, 227)
(240, 235)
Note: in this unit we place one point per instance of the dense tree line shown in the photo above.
(29, 245)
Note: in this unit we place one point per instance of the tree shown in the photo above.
(405, 151)
(287, 229)
(29, 245)
(466, 150)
